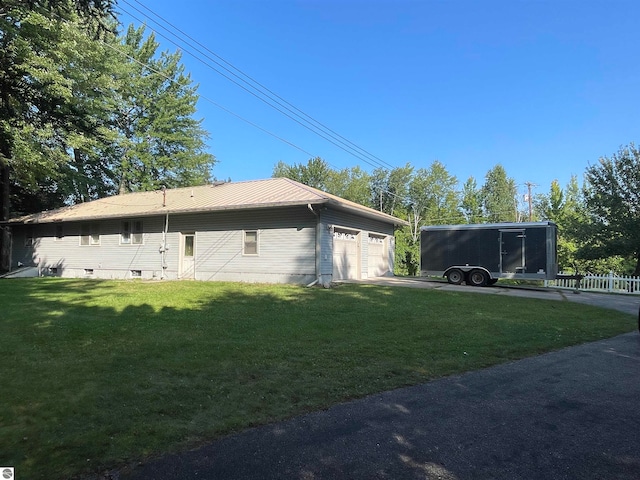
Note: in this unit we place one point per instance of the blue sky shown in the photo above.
(544, 88)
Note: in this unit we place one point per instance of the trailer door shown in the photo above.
(512, 251)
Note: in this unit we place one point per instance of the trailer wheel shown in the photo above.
(478, 278)
(455, 276)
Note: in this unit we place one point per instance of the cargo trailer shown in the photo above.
(480, 254)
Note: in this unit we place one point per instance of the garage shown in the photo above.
(378, 260)
(345, 254)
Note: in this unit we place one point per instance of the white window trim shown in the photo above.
(132, 232)
(94, 230)
(244, 243)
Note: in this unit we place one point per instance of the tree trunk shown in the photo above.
(636, 272)
(5, 209)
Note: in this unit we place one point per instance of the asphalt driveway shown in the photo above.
(570, 414)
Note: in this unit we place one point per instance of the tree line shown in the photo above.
(598, 222)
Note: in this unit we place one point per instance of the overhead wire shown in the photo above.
(150, 68)
(214, 103)
(255, 88)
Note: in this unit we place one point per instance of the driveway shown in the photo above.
(570, 414)
(624, 303)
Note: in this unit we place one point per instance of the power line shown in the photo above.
(258, 90)
(150, 68)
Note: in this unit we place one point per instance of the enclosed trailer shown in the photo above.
(480, 254)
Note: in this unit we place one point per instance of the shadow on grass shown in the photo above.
(99, 373)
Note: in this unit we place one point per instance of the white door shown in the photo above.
(378, 260)
(188, 255)
(345, 254)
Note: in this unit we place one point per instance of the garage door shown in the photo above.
(345, 254)
(378, 260)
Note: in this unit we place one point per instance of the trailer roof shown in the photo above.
(488, 226)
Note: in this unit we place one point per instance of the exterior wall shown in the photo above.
(109, 259)
(331, 219)
(286, 245)
(286, 248)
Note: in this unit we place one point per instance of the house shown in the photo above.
(275, 231)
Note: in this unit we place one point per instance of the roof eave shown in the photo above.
(29, 220)
(369, 213)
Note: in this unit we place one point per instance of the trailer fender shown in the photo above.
(455, 275)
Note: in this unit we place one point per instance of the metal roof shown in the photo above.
(255, 194)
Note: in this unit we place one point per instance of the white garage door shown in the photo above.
(345, 254)
(378, 260)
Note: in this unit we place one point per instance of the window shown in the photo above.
(28, 238)
(89, 234)
(131, 232)
(188, 245)
(250, 243)
(136, 273)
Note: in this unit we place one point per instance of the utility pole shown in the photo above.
(529, 185)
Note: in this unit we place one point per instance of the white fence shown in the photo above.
(599, 283)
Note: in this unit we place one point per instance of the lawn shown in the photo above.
(95, 374)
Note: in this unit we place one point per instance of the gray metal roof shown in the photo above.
(255, 194)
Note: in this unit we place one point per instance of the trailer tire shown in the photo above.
(455, 276)
(477, 278)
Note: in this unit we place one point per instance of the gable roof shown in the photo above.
(255, 194)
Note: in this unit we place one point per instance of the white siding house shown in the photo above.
(275, 231)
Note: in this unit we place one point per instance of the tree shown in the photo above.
(73, 165)
(432, 198)
(472, 201)
(158, 142)
(34, 93)
(77, 121)
(315, 173)
(562, 207)
(390, 187)
(612, 203)
(351, 184)
(499, 196)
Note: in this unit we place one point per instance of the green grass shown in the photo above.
(95, 374)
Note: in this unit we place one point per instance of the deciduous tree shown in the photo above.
(35, 95)
(499, 196)
(612, 203)
(472, 201)
(315, 173)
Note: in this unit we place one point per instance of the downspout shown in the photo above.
(165, 228)
(318, 249)
(163, 247)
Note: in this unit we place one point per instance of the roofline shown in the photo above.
(476, 226)
(359, 209)
(369, 212)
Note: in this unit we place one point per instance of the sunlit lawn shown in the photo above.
(96, 374)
